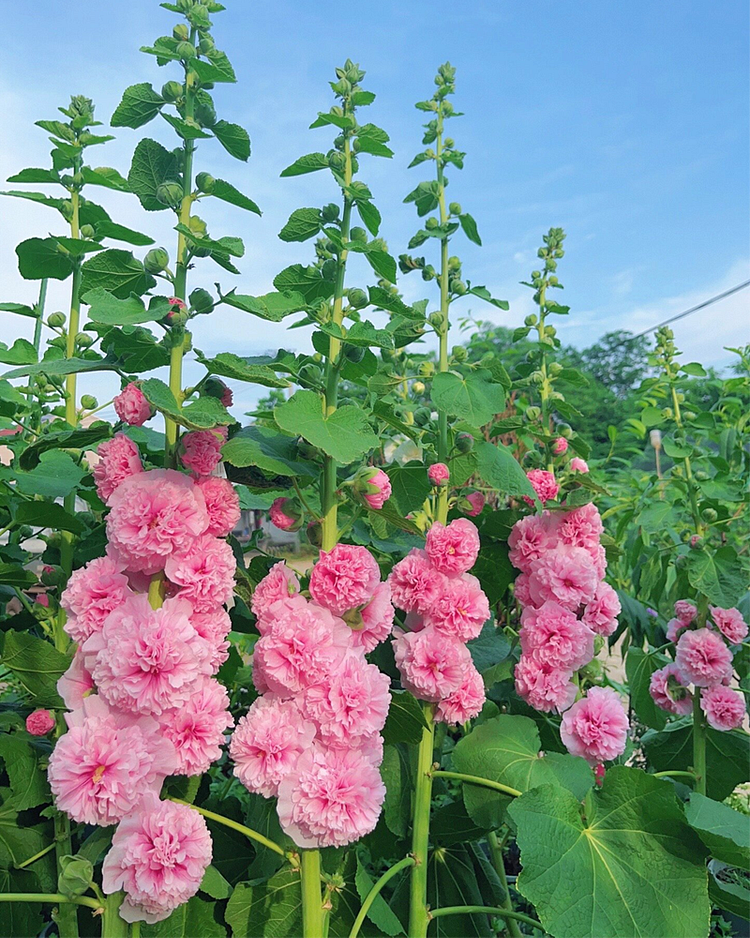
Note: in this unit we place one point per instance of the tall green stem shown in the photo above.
(496, 849)
(544, 387)
(39, 310)
(312, 902)
(699, 744)
(689, 479)
(443, 450)
(375, 892)
(113, 926)
(418, 912)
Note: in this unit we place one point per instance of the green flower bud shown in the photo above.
(536, 377)
(170, 194)
(186, 51)
(56, 320)
(464, 442)
(431, 223)
(354, 353)
(666, 413)
(436, 319)
(536, 274)
(52, 576)
(454, 263)
(87, 231)
(89, 402)
(553, 281)
(205, 114)
(181, 32)
(84, 340)
(455, 208)
(66, 207)
(689, 415)
(418, 387)
(355, 164)
(330, 212)
(358, 298)
(207, 44)
(459, 353)
(76, 876)
(428, 272)
(459, 287)
(550, 331)
(336, 160)
(709, 515)
(427, 369)
(533, 413)
(358, 234)
(171, 91)
(565, 430)
(201, 301)
(156, 260)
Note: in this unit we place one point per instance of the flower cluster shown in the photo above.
(312, 739)
(142, 693)
(703, 658)
(445, 608)
(566, 604)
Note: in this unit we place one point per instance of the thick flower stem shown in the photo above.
(418, 912)
(443, 445)
(312, 902)
(699, 744)
(496, 849)
(113, 926)
(375, 892)
(49, 897)
(477, 780)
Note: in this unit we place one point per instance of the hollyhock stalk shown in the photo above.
(699, 743)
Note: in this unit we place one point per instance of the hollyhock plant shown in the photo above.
(213, 627)
(344, 578)
(564, 574)
(465, 702)
(703, 658)
(730, 623)
(477, 502)
(543, 686)
(204, 569)
(432, 664)
(415, 583)
(724, 707)
(582, 527)
(132, 407)
(544, 484)
(674, 627)
(222, 505)
(556, 637)
(280, 582)
(560, 446)
(596, 727)
(461, 609)
(201, 450)
(40, 722)
(685, 611)
(352, 702)
(119, 459)
(373, 486)
(377, 620)
(667, 687)
(280, 516)
(601, 613)
(439, 474)
(91, 594)
(196, 727)
(76, 683)
(578, 465)
(453, 548)
(529, 538)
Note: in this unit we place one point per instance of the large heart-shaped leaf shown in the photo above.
(718, 575)
(473, 398)
(499, 468)
(345, 435)
(722, 829)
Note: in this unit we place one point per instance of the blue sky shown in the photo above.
(627, 124)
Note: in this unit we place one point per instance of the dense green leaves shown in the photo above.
(272, 452)
(405, 720)
(105, 307)
(204, 413)
(36, 664)
(500, 469)
(718, 574)
(722, 829)
(229, 365)
(140, 104)
(272, 909)
(345, 434)
(117, 272)
(56, 475)
(639, 666)
(473, 397)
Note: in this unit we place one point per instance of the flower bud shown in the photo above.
(84, 340)
(477, 502)
(181, 32)
(709, 515)
(533, 413)
(464, 442)
(197, 226)
(459, 353)
(87, 231)
(696, 542)
(565, 429)
(418, 387)
(336, 161)
(206, 44)
(437, 319)
(531, 320)
(156, 260)
(354, 353)
(432, 223)
(204, 182)
(56, 320)
(427, 369)
(554, 369)
(315, 533)
(66, 208)
(205, 114)
(439, 474)
(428, 272)
(536, 377)
(89, 402)
(170, 194)
(358, 234)
(358, 298)
(76, 876)
(309, 374)
(285, 514)
(459, 287)
(422, 417)
(186, 51)
(455, 208)
(560, 446)
(201, 301)
(372, 486)
(171, 91)
(330, 212)
(51, 576)
(40, 722)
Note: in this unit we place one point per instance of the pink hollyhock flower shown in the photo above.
(278, 515)
(374, 487)
(227, 398)
(674, 627)
(131, 406)
(204, 568)
(158, 856)
(685, 611)
(703, 658)
(415, 583)
(477, 502)
(601, 613)
(578, 465)
(283, 611)
(564, 574)
(148, 660)
(521, 589)
(581, 527)
(377, 620)
(332, 798)
(730, 623)
(432, 664)
(353, 701)
(222, 505)
(201, 450)
(268, 742)
(529, 538)
(556, 637)
(542, 686)
(76, 683)
(465, 703)
(196, 728)
(560, 446)
(40, 722)
(544, 484)
(213, 627)
(119, 459)
(344, 578)
(92, 593)
(153, 515)
(279, 583)
(454, 548)
(724, 707)
(101, 768)
(667, 687)
(370, 747)
(596, 727)
(303, 647)
(439, 474)
(461, 609)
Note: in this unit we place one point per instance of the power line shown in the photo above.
(694, 309)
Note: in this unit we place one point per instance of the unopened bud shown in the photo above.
(201, 301)
(170, 194)
(56, 320)
(358, 298)
(89, 402)
(204, 182)
(156, 260)
(171, 91)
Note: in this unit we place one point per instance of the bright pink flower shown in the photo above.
(564, 574)
(674, 627)
(153, 515)
(92, 593)
(332, 798)
(438, 473)
(477, 502)
(560, 446)
(279, 583)
(556, 637)
(204, 568)
(279, 517)
(542, 686)
(465, 703)
(581, 527)
(268, 742)
(667, 687)
(578, 465)
(344, 578)
(376, 488)
(461, 609)
(730, 623)
(177, 303)
(40, 722)
(703, 658)
(101, 768)
(415, 583)
(529, 538)
(201, 450)
(214, 626)
(432, 664)
(596, 727)
(377, 619)
(685, 611)
(601, 613)
(222, 505)
(454, 548)
(131, 406)
(76, 683)
(352, 702)
(158, 856)
(544, 484)
(196, 728)
(119, 459)
(148, 660)
(724, 707)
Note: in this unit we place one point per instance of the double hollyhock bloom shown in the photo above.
(142, 692)
(565, 604)
(446, 608)
(312, 739)
(703, 659)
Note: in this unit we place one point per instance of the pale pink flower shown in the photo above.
(477, 502)
(544, 484)
(352, 702)
(196, 727)
(201, 450)
(564, 574)
(453, 548)
(560, 446)
(377, 488)
(332, 798)
(461, 609)
(76, 683)
(674, 627)
(158, 856)
(214, 626)
(703, 658)
(581, 527)
(521, 589)
(724, 707)
(283, 611)
(344, 578)
(542, 686)
(578, 465)
(222, 505)
(465, 703)
(730, 623)
(596, 727)
(40, 722)
(667, 687)
(415, 583)
(278, 513)
(529, 538)
(685, 611)
(119, 459)
(439, 474)
(268, 742)
(204, 568)
(92, 593)
(101, 768)
(377, 619)
(432, 664)
(279, 583)
(131, 406)
(153, 515)
(601, 613)
(556, 637)
(370, 747)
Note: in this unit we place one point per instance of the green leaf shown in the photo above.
(626, 865)
(227, 246)
(379, 912)
(372, 140)
(425, 197)
(203, 414)
(22, 352)
(692, 368)
(48, 515)
(271, 306)
(307, 281)
(37, 664)
(393, 303)
(410, 486)
(473, 398)
(136, 347)
(272, 909)
(494, 570)
(405, 720)
(722, 829)
(214, 884)
(310, 163)
(651, 417)
(105, 176)
(62, 366)
(718, 574)
(56, 476)
(370, 216)
(361, 334)
(470, 228)
(229, 365)
(19, 309)
(218, 69)
(35, 175)
(106, 308)
(234, 139)
(76, 247)
(42, 259)
(345, 435)
(184, 129)
(140, 104)
(11, 574)
(194, 917)
(383, 264)
(501, 470)
(39, 197)
(453, 881)
(108, 229)
(303, 223)
(79, 438)
(728, 895)
(674, 450)
(396, 775)
(227, 193)
(575, 377)
(639, 666)
(19, 919)
(28, 781)
(323, 120)
(117, 272)
(273, 452)
(152, 165)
